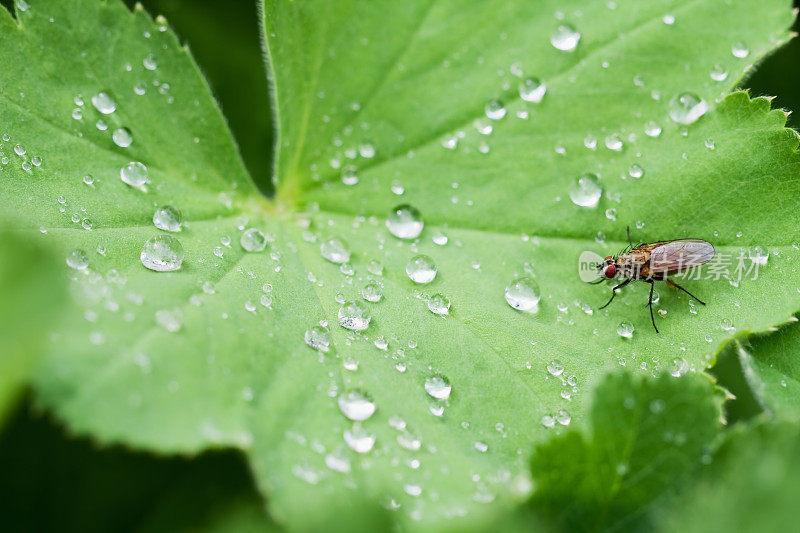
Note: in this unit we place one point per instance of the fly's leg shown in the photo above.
(614, 291)
(673, 284)
(650, 302)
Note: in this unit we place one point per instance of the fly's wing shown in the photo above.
(681, 254)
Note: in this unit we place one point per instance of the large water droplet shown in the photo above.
(134, 174)
(354, 316)
(318, 338)
(253, 240)
(586, 191)
(359, 439)
(162, 253)
(565, 37)
(168, 218)
(356, 405)
(421, 269)
(335, 250)
(405, 222)
(438, 386)
(685, 108)
(104, 103)
(532, 90)
(523, 293)
(77, 259)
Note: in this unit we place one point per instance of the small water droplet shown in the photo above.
(122, 137)
(758, 255)
(104, 103)
(421, 269)
(565, 37)
(686, 108)
(349, 175)
(318, 338)
(635, 171)
(439, 305)
(167, 218)
(719, 73)
(354, 316)
(563, 417)
(149, 62)
(555, 368)
(162, 253)
(548, 421)
(652, 129)
(614, 142)
(253, 240)
(740, 50)
(406, 439)
(372, 291)
(532, 90)
(359, 439)
(405, 222)
(440, 238)
(625, 329)
(438, 387)
(77, 259)
(524, 294)
(335, 250)
(495, 110)
(668, 19)
(356, 405)
(586, 191)
(709, 143)
(134, 174)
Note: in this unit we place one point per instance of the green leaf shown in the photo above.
(756, 469)
(187, 360)
(771, 370)
(33, 292)
(647, 437)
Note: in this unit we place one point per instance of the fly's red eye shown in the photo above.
(610, 271)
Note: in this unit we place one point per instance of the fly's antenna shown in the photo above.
(630, 243)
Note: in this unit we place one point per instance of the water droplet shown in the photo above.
(421, 269)
(709, 143)
(349, 175)
(635, 171)
(405, 222)
(356, 405)
(397, 188)
(354, 316)
(548, 421)
(77, 259)
(719, 73)
(19, 150)
(614, 142)
(149, 62)
(532, 90)
(685, 108)
(740, 50)
(440, 238)
(668, 19)
(438, 387)
(167, 218)
(77, 114)
(495, 110)
(335, 250)
(408, 440)
(555, 368)
(758, 255)
(359, 439)
(625, 329)
(318, 338)
(375, 267)
(481, 446)
(253, 240)
(372, 291)
(338, 461)
(104, 103)
(611, 213)
(170, 319)
(366, 150)
(563, 417)
(134, 174)
(122, 137)
(565, 37)
(678, 367)
(162, 253)
(586, 191)
(523, 293)
(652, 129)
(439, 305)
(140, 89)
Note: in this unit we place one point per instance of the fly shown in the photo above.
(655, 261)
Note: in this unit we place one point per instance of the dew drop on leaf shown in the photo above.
(421, 269)
(167, 218)
(162, 253)
(625, 329)
(405, 222)
(652, 129)
(134, 174)
(740, 50)
(586, 191)
(438, 387)
(532, 90)
(359, 439)
(565, 38)
(318, 338)
(104, 103)
(758, 255)
(686, 108)
(635, 171)
(253, 240)
(122, 137)
(335, 250)
(77, 259)
(372, 292)
(439, 304)
(354, 316)
(495, 110)
(356, 405)
(523, 293)
(718, 73)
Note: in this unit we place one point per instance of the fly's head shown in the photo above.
(608, 268)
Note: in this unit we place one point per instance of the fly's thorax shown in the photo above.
(634, 264)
